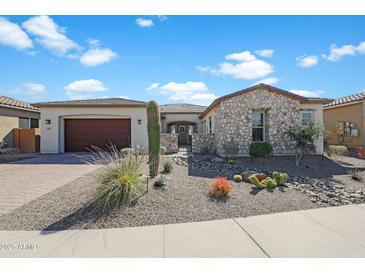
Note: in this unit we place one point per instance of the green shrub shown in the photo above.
(260, 150)
(231, 162)
(118, 177)
(355, 175)
(237, 178)
(167, 167)
(336, 150)
(160, 181)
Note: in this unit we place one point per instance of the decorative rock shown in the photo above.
(217, 160)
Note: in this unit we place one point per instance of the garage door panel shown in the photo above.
(80, 134)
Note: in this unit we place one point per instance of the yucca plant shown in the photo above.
(118, 177)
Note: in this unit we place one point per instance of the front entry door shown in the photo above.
(183, 135)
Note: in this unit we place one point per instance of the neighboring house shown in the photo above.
(345, 121)
(16, 114)
(182, 120)
(258, 113)
(71, 126)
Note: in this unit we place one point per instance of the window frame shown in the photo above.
(210, 123)
(30, 122)
(306, 112)
(263, 124)
(23, 119)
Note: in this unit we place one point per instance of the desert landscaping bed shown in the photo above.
(184, 199)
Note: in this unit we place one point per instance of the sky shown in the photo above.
(179, 59)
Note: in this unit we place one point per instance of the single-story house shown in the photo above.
(16, 114)
(178, 124)
(344, 119)
(258, 113)
(71, 126)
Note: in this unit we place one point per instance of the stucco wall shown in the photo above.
(317, 110)
(52, 136)
(9, 119)
(351, 113)
(171, 117)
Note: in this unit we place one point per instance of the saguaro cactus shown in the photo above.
(154, 137)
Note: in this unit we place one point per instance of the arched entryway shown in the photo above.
(185, 129)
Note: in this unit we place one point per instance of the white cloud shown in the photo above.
(83, 89)
(188, 92)
(153, 86)
(12, 35)
(97, 56)
(307, 93)
(265, 53)
(246, 70)
(34, 89)
(241, 56)
(31, 89)
(162, 17)
(337, 53)
(241, 65)
(49, 34)
(203, 68)
(144, 23)
(307, 61)
(268, 81)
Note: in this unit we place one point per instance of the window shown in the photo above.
(210, 124)
(23, 122)
(204, 126)
(34, 123)
(306, 117)
(257, 126)
(173, 129)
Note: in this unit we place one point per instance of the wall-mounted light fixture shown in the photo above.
(139, 121)
(48, 121)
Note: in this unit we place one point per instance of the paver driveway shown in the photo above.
(27, 179)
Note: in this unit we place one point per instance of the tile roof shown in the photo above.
(93, 102)
(347, 99)
(182, 108)
(13, 103)
(268, 88)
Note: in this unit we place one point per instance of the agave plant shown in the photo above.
(118, 177)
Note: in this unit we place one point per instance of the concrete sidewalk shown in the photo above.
(325, 232)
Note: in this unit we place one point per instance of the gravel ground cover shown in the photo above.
(184, 199)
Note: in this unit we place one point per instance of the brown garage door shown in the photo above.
(80, 134)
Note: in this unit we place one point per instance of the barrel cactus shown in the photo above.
(154, 137)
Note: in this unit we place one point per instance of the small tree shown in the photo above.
(304, 136)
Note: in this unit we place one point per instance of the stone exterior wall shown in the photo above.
(170, 141)
(202, 140)
(233, 120)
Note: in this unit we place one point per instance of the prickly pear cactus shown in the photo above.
(256, 182)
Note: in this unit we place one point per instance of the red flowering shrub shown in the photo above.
(220, 187)
(361, 153)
